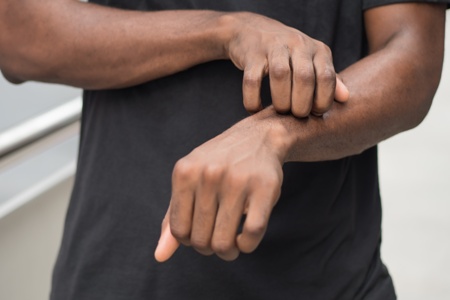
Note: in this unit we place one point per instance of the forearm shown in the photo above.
(97, 47)
(391, 91)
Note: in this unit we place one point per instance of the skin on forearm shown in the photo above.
(391, 91)
(95, 47)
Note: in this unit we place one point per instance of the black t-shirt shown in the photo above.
(324, 234)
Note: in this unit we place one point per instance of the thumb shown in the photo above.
(341, 94)
(167, 244)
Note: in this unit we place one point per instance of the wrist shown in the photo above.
(224, 33)
(230, 24)
(280, 138)
(275, 132)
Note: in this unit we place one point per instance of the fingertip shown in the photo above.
(159, 252)
(282, 110)
(251, 88)
(229, 258)
(163, 253)
(253, 109)
(244, 246)
(159, 255)
(342, 93)
(167, 245)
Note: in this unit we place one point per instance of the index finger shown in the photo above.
(251, 86)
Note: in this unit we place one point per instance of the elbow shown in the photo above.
(12, 71)
(12, 65)
(424, 92)
(8, 68)
(24, 58)
(421, 109)
(18, 66)
(9, 51)
(10, 74)
(11, 78)
(24, 47)
(419, 115)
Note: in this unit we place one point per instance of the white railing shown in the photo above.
(33, 129)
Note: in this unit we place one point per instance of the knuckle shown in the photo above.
(179, 232)
(203, 212)
(251, 81)
(213, 173)
(237, 179)
(222, 246)
(324, 47)
(327, 75)
(252, 106)
(280, 71)
(305, 75)
(201, 244)
(248, 248)
(282, 107)
(300, 39)
(183, 169)
(301, 111)
(272, 182)
(321, 108)
(256, 228)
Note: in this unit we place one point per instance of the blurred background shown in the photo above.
(415, 189)
(38, 145)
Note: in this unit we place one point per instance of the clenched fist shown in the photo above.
(238, 172)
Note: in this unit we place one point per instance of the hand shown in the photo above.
(301, 71)
(238, 172)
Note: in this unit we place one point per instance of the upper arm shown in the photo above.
(415, 31)
(411, 26)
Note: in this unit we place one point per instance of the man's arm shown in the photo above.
(240, 171)
(391, 90)
(96, 47)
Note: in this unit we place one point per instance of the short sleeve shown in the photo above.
(366, 4)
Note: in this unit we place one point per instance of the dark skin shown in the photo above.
(238, 172)
(95, 47)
